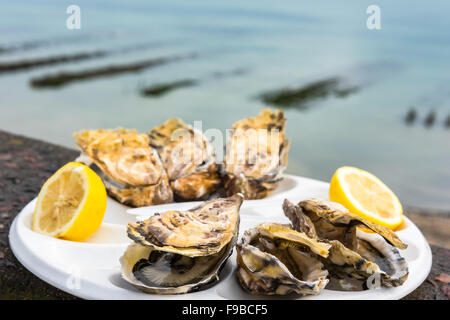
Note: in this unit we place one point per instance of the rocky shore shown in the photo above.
(26, 163)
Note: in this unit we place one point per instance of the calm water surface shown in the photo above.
(274, 46)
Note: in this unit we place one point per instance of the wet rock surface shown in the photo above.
(432, 288)
(25, 164)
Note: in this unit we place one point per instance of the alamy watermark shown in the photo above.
(241, 146)
(73, 282)
(74, 20)
(374, 20)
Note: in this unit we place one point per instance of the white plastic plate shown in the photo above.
(91, 269)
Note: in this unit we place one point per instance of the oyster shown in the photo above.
(178, 252)
(256, 155)
(130, 169)
(188, 158)
(273, 259)
(333, 221)
(361, 252)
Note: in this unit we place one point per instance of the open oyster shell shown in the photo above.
(130, 169)
(332, 220)
(273, 259)
(256, 155)
(188, 158)
(178, 252)
(361, 252)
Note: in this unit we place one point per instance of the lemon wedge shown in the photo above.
(367, 196)
(71, 203)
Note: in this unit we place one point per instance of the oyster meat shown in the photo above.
(178, 252)
(256, 155)
(188, 158)
(130, 169)
(361, 252)
(273, 259)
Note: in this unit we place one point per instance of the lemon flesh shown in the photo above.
(71, 204)
(367, 196)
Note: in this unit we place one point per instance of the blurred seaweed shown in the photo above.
(64, 78)
(163, 88)
(160, 89)
(300, 98)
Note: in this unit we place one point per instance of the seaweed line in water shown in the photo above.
(301, 97)
(160, 89)
(26, 64)
(429, 121)
(64, 78)
(29, 64)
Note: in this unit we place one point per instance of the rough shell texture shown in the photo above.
(131, 170)
(335, 220)
(273, 259)
(358, 253)
(188, 158)
(256, 155)
(347, 269)
(201, 238)
(203, 230)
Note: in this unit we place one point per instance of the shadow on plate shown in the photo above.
(287, 184)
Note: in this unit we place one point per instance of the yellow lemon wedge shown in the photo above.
(367, 196)
(71, 203)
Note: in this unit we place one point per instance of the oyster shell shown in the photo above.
(361, 252)
(256, 155)
(130, 169)
(188, 158)
(273, 259)
(178, 252)
(334, 221)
